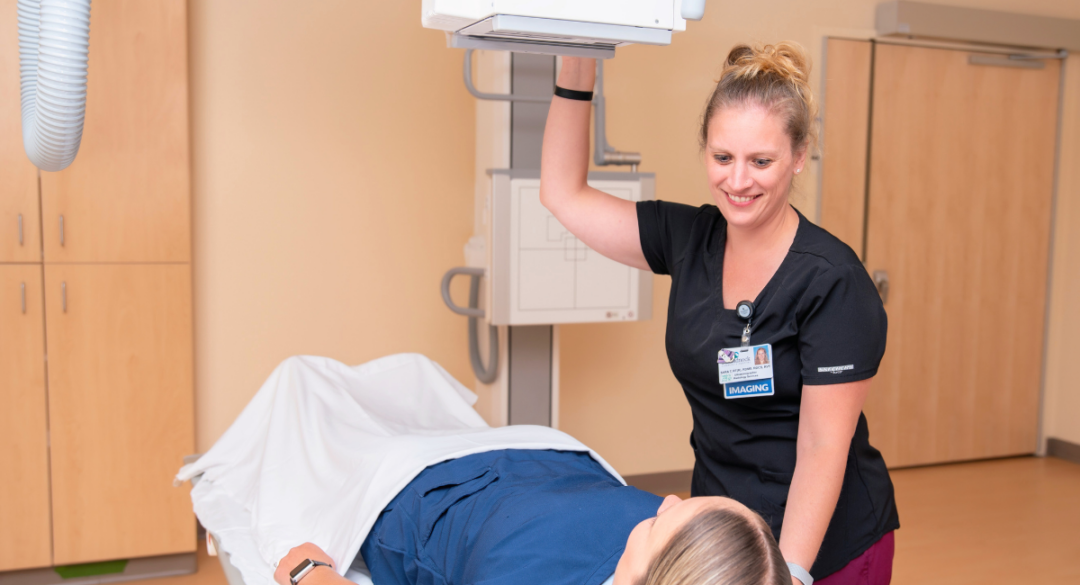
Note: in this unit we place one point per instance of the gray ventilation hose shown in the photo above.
(54, 41)
(489, 374)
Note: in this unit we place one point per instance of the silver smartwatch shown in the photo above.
(305, 567)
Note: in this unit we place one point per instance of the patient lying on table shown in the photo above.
(548, 517)
(387, 465)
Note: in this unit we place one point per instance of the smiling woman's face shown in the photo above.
(650, 536)
(750, 164)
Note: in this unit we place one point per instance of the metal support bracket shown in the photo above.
(605, 154)
(489, 373)
(505, 97)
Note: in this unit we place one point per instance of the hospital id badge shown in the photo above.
(746, 371)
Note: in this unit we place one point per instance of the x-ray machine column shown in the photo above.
(531, 357)
(535, 273)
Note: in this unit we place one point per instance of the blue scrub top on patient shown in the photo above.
(510, 516)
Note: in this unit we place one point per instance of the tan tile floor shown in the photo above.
(1004, 521)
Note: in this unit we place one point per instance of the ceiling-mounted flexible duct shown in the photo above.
(54, 38)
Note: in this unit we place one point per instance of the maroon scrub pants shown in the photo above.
(873, 567)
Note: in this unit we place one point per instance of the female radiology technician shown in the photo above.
(787, 439)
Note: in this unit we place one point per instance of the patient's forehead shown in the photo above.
(721, 503)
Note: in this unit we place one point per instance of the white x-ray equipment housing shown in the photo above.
(589, 28)
(541, 274)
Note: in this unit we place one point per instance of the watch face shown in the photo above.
(300, 568)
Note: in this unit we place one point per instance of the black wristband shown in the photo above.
(573, 94)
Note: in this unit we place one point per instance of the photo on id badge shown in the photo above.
(746, 371)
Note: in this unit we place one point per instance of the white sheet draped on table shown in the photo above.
(323, 447)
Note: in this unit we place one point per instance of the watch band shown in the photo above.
(573, 94)
(305, 567)
(800, 573)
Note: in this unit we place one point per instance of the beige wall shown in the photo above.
(333, 178)
(333, 185)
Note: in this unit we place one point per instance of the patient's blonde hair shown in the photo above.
(720, 547)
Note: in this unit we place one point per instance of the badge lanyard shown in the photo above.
(746, 371)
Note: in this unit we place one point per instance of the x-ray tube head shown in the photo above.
(589, 29)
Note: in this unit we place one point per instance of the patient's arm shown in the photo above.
(318, 576)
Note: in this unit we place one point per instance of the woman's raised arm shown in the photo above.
(603, 222)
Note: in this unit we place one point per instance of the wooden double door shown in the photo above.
(939, 169)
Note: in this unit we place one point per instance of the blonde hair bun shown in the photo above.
(786, 60)
(775, 76)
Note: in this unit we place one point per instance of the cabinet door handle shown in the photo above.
(20, 230)
(22, 296)
(63, 296)
(61, 231)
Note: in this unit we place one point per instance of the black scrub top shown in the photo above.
(825, 321)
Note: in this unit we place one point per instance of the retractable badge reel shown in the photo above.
(746, 371)
(745, 310)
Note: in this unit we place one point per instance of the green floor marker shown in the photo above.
(91, 569)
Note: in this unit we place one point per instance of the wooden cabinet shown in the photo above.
(120, 380)
(20, 240)
(24, 457)
(90, 455)
(126, 198)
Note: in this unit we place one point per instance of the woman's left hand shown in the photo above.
(297, 556)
